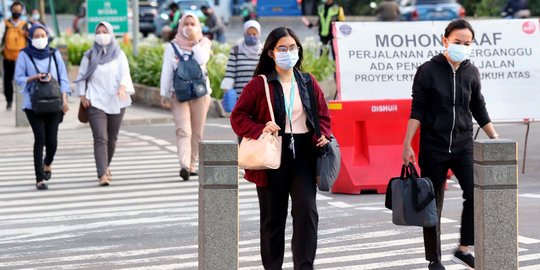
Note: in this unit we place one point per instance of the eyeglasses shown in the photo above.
(292, 48)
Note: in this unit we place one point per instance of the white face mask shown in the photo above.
(185, 31)
(103, 39)
(40, 43)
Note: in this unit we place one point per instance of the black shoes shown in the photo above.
(193, 174)
(47, 175)
(9, 105)
(466, 259)
(41, 185)
(184, 174)
(436, 266)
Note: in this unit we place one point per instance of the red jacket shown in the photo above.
(251, 113)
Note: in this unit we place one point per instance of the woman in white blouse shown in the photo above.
(189, 116)
(104, 85)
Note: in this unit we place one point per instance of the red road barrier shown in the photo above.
(370, 135)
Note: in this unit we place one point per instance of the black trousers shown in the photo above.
(295, 177)
(435, 166)
(45, 129)
(329, 40)
(9, 72)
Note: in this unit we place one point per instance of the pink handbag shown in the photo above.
(265, 152)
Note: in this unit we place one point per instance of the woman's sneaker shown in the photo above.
(467, 259)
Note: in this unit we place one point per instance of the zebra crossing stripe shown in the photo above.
(148, 182)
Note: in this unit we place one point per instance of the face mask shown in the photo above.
(286, 60)
(40, 43)
(103, 39)
(35, 16)
(185, 31)
(16, 15)
(458, 52)
(251, 40)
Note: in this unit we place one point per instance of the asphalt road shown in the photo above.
(147, 218)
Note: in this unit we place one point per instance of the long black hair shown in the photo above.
(267, 65)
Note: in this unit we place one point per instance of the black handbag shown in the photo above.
(329, 158)
(411, 199)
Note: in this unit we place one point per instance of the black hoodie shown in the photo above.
(444, 102)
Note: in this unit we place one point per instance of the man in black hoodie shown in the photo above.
(446, 96)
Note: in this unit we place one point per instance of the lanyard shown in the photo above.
(289, 111)
(289, 108)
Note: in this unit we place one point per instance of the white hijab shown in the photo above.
(251, 51)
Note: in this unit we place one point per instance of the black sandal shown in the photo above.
(41, 185)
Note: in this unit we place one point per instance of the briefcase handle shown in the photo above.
(413, 175)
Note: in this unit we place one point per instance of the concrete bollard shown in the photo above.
(218, 205)
(20, 116)
(496, 204)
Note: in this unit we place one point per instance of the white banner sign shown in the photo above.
(378, 60)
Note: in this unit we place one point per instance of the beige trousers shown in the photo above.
(189, 119)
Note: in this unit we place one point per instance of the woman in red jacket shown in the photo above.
(280, 61)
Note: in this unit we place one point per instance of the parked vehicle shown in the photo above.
(431, 10)
(148, 11)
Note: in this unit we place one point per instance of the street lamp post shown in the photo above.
(135, 26)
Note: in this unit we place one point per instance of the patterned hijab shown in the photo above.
(100, 55)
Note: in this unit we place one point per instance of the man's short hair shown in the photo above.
(16, 3)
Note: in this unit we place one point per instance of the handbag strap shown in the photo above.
(418, 206)
(267, 93)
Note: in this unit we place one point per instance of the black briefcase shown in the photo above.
(411, 199)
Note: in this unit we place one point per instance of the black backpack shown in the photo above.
(46, 97)
(189, 80)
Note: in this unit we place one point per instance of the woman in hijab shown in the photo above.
(189, 116)
(243, 59)
(104, 85)
(38, 62)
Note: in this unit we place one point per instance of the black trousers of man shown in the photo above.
(295, 177)
(9, 72)
(435, 166)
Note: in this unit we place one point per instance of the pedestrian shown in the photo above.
(35, 17)
(388, 11)
(248, 11)
(38, 62)
(168, 32)
(189, 116)
(280, 62)
(215, 25)
(14, 33)
(446, 96)
(328, 13)
(104, 86)
(243, 59)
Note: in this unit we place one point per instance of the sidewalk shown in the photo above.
(135, 115)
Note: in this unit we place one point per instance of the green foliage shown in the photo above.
(146, 67)
(486, 8)
(216, 67)
(320, 65)
(76, 46)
